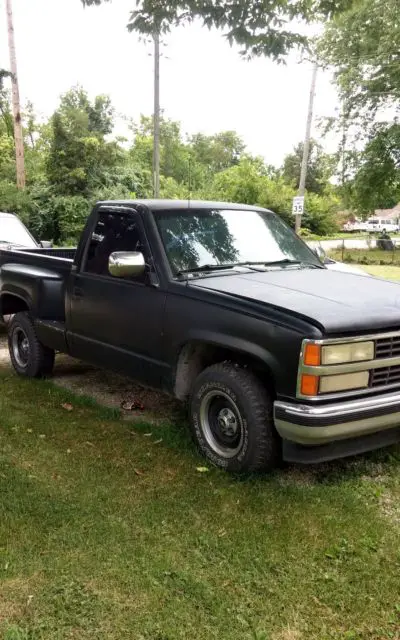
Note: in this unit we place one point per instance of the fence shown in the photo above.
(363, 250)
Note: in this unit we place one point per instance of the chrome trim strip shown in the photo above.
(290, 425)
(351, 367)
(340, 408)
(366, 338)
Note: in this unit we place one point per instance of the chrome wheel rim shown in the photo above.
(20, 347)
(221, 423)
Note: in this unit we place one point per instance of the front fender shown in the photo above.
(238, 344)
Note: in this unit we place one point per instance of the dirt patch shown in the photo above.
(4, 357)
(390, 507)
(113, 390)
(108, 389)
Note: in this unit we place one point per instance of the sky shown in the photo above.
(204, 83)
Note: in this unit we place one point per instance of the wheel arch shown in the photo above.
(198, 353)
(13, 302)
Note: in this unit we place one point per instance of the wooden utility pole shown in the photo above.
(156, 117)
(306, 147)
(18, 133)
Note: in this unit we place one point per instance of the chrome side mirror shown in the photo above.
(320, 253)
(125, 264)
(46, 244)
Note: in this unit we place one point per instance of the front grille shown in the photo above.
(385, 376)
(387, 347)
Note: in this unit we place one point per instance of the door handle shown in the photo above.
(77, 292)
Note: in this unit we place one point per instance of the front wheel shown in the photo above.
(232, 420)
(29, 357)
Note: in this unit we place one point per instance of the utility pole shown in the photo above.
(156, 117)
(306, 147)
(18, 133)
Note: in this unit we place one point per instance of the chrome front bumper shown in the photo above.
(312, 425)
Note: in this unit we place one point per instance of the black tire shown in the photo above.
(232, 420)
(29, 357)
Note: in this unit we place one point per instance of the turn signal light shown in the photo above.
(309, 385)
(312, 355)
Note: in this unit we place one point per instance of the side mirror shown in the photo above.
(320, 253)
(46, 244)
(125, 264)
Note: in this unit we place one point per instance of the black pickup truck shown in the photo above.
(225, 307)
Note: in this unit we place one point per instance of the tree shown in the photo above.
(320, 167)
(259, 27)
(174, 154)
(377, 182)
(217, 152)
(79, 152)
(361, 44)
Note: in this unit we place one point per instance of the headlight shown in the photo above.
(344, 382)
(351, 352)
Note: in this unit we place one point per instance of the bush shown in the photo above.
(13, 200)
(70, 213)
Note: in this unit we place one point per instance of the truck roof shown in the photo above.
(162, 205)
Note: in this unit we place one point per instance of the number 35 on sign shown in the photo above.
(298, 206)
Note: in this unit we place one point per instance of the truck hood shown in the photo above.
(333, 301)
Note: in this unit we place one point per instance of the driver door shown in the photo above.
(117, 322)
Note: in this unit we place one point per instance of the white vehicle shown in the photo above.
(377, 225)
(14, 235)
(372, 225)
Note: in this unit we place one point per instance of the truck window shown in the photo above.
(113, 232)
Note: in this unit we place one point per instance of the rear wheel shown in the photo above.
(29, 357)
(232, 421)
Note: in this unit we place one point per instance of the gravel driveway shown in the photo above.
(107, 388)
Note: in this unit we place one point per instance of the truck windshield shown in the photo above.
(193, 238)
(12, 231)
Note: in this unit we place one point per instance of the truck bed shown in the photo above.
(58, 260)
(44, 273)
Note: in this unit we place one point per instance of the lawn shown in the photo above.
(115, 531)
(383, 271)
(367, 256)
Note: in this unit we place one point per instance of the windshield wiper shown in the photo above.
(295, 262)
(249, 264)
(206, 267)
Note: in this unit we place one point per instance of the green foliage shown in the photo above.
(361, 44)
(12, 200)
(259, 28)
(246, 184)
(79, 152)
(72, 161)
(320, 167)
(377, 183)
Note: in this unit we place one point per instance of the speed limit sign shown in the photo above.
(298, 206)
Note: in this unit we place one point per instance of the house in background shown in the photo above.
(382, 218)
(390, 215)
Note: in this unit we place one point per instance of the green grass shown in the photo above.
(387, 272)
(111, 532)
(367, 256)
